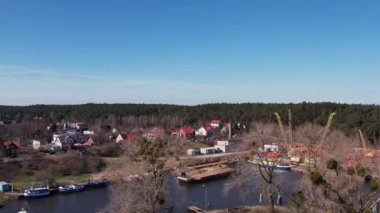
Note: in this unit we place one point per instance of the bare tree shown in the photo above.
(143, 176)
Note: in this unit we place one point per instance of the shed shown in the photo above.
(208, 150)
(193, 152)
(5, 187)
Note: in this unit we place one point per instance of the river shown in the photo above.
(178, 197)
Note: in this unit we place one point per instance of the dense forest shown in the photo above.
(349, 117)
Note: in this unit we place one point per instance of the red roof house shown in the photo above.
(215, 123)
(186, 132)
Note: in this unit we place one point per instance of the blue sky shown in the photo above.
(189, 51)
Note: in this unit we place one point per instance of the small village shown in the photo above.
(216, 147)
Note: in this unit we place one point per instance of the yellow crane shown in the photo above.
(327, 128)
(364, 143)
(290, 126)
(367, 152)
(281, 127)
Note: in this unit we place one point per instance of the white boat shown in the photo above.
(71, 188)
(22, 210)
(37, 192)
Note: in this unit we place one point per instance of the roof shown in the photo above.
(215, 122)
(90, 141)
(207, 127)
(124, 135)
(128, 136)
(8, 143)
(187, 130)
(173, 130)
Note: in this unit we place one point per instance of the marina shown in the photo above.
(177, 196)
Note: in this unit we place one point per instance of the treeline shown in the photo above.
(349, 116)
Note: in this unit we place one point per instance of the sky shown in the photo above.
(189, 51)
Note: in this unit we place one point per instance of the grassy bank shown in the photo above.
(68, 168)
(26, 181)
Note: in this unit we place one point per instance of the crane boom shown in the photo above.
(362, 139)
(281, 127)
(327, 128)
(290, 126)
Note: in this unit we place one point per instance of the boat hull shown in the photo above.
(278, 167)
(206, 178)
(71, 190)
(36, 194)
(98, 183)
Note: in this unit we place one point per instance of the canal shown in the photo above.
(178, 196)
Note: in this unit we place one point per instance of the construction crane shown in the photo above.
(290, 126)
(364, 143)
(281, 127)
(367, 152)
(327, 128)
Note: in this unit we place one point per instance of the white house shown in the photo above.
(223, 146)
(36, 144)
(58, 141)
(121, 138)
(202, 132)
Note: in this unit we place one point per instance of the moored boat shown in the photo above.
(22, 210)
(98, 183)
(37, 192)
(71, 188)
(275, 166)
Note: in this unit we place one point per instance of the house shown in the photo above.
(173, 131)
(204, 131)
(68, 139)
(227, 145)
(11, 148)
(36, 144)
(215, 123)
(5, 187)
(154, 133)
(121, 137)
(187, 132)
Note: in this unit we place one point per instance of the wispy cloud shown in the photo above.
(21, 70)
(44, 73)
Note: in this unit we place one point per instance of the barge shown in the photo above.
(204, 172)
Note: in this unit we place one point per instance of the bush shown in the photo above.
(360, 170)
(332, 164)
(109, 150)
(367, 178)
(316, 178)
(350, 170)
(375, 184)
